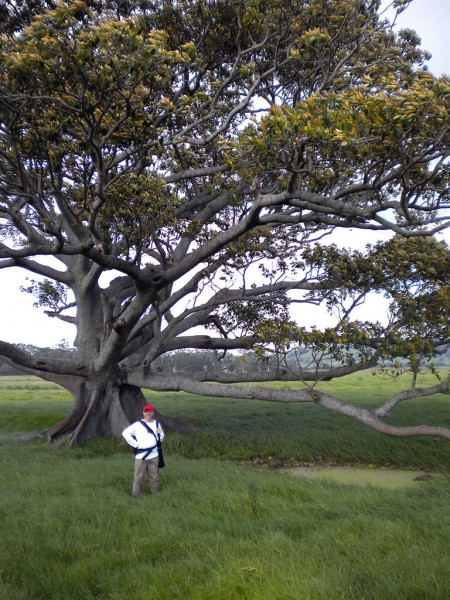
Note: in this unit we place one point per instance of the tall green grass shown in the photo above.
(219, 529)
(71, 530)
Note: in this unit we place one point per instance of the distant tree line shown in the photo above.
(201, 361)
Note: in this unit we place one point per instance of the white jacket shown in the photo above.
(137, 436)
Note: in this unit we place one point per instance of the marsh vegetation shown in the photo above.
(226, 525)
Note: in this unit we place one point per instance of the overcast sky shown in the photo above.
(21, 323)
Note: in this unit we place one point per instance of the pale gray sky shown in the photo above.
(430, 18)
(21, 323)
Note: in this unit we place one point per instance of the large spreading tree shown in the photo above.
(170, 172)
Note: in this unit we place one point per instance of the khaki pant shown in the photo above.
(142, 467)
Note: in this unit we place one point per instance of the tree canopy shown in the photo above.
(171, 171)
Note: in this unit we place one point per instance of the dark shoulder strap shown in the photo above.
(149, 429)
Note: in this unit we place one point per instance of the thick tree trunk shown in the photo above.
(103, 411)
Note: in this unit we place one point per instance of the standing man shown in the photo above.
(144, 436)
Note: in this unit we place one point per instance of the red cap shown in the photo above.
(148, 407)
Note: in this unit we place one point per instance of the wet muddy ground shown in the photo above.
(386, 476)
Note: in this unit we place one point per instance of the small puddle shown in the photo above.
(386, 478)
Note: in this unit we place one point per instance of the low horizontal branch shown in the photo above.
(361, 415)
(41, 365)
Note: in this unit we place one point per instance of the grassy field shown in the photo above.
(222, 529)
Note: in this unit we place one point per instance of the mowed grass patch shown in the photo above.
(71, 530)
(28, 403)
